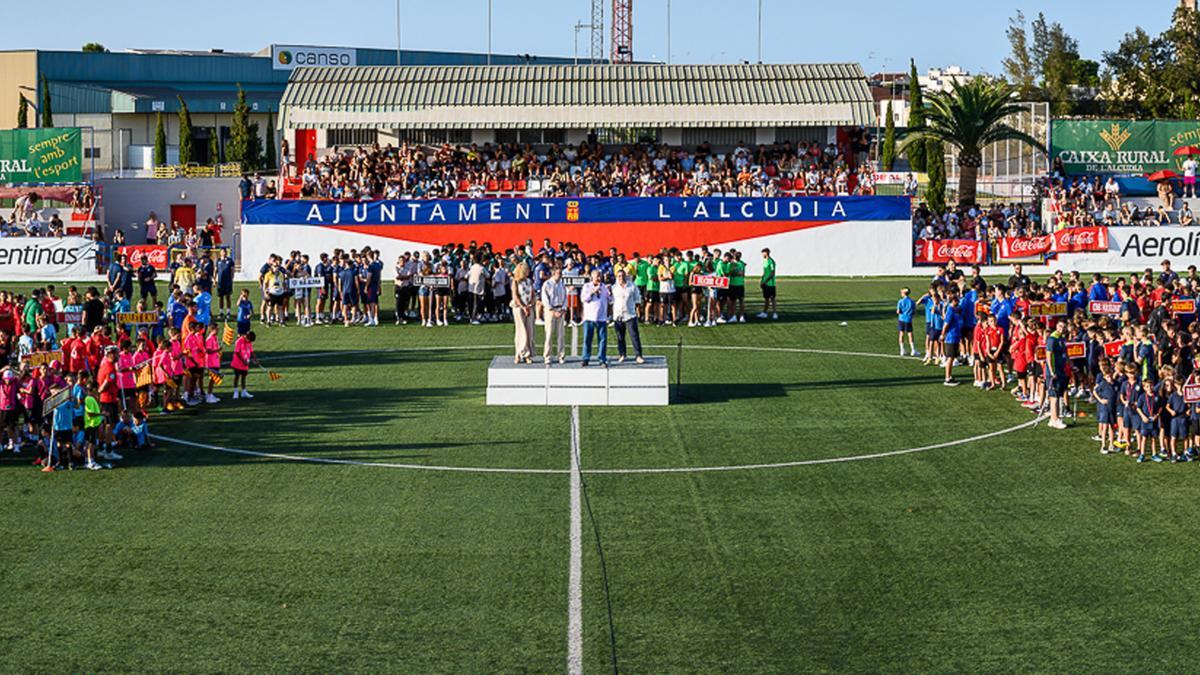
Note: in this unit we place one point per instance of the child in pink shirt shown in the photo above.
(243, 356)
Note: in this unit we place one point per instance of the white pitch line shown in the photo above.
(575, 574)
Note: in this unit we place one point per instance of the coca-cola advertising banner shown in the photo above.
(1025, 249)
(1080, 240)
(937, 251)
(156, 254)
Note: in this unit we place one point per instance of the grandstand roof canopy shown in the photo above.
(583, 96)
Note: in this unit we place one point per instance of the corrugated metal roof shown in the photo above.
(388, 89)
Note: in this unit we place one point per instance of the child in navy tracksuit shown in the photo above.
(1105, 393)
(1176, 432)
(1148, 411)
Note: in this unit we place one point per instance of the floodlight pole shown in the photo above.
(397, 32)
(760, 3)
(489, 33)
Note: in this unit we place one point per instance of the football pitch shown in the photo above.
(809, 502)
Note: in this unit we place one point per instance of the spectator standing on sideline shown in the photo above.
(554, 309)
(523, 306)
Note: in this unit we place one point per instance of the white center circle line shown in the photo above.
(628, 471)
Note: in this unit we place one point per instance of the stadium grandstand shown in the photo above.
(557, 130)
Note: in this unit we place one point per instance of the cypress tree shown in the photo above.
(185, 133)
(270, 164)
(254, 149)
(889, 140)
(239, 130)
(23, 113)
(916, 119)
(214, 147)
(935, 193)
(160, 143)
(47, 111)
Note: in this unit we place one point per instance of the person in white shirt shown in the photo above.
(625, 299)
(595, 296)
(1189, 177)
(477, 278)
(554, 312)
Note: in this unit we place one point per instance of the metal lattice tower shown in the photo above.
(597, 31)
(622, 31)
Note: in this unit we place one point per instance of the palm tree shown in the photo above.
(970, 118)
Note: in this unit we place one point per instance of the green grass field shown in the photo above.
(1024, 551)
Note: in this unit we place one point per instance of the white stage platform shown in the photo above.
(569, 384)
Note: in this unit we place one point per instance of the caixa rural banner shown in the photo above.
(1120, 146)
(47, 258)
(41, 155)
(595, 223)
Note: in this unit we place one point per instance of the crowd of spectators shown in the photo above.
(587, 169)
(1011, 219)
(1082, 201)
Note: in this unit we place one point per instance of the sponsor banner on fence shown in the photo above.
(1080, 240)
(1025, 249)
(41, 155)
(156, 254)
(1120, 146)
(937, 251)
(49, 258)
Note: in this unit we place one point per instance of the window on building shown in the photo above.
(718, 137)
(340, 137)
(91, 153)
(434, 136)
(506, 136)
(797, 135)
(628, 135)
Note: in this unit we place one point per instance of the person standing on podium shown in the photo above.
(595, 296)
(554, 311)
(625, 299)
(522, 309)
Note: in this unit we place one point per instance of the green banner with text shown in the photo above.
(41, 155)
(1121, 146)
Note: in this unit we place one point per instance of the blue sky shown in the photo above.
(871, 32)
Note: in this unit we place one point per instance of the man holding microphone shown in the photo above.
(554, 309)
(595, 296)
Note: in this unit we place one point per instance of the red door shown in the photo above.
(183, 215)
(306, 144)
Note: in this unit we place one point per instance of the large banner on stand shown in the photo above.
(1120, 146)
(47, 258)
(806, 235)
(41, 155)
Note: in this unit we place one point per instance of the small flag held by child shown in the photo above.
(228, 336)
(274, 375)
(143, 377)
(215, 377)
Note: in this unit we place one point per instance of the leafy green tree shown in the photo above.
(935, 164)
(271, 163)
(94, 48)
(23, 113)
(969, 118)
(1018, 66)
(160, 142)
(1137, 76)
(214, 146)
(916, 119)
(239, 131)
(185, 133)
(889, 140)
(47, 109)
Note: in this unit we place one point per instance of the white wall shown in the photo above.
(128, 202)
(861, 248)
